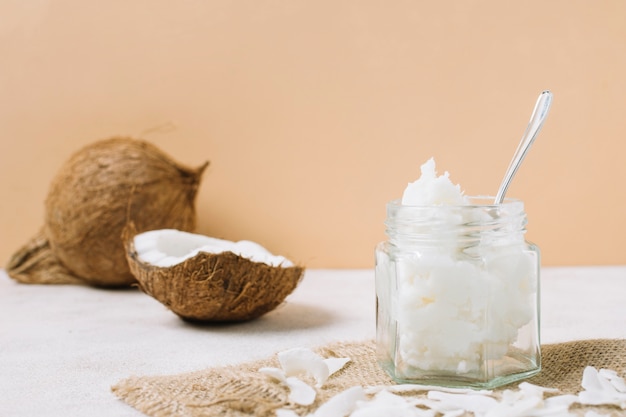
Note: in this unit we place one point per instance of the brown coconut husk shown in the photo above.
(35, 263)
(93, 196)
(208, 287)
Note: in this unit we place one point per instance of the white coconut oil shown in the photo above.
(457, 288)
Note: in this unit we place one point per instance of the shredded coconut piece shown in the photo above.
(335, 364)
(284, 412)
(387, 404)
(602, 388)
(304, 361)
(446, 402)
(341, 404)
(300, 392)
(592, 413)
(299, 361)
(617, 382)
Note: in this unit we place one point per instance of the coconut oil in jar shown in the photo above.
(457, 291)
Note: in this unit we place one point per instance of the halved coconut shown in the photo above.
(206, 279)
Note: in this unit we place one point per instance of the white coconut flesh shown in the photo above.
(169, 247)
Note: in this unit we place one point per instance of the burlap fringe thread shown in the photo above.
(240, 390)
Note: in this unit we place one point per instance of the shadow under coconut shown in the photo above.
(287, 317)
(133, 288)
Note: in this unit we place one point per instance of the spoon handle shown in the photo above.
(540, 112)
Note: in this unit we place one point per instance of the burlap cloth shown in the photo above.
(240, 390)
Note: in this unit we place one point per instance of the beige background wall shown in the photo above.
(315, 113)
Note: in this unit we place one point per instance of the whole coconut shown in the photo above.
(100, 189)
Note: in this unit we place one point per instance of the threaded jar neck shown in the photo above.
(478, 221)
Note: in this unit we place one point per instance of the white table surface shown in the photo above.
(62, 347)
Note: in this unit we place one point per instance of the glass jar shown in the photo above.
(457, 294)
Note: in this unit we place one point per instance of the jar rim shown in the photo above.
(480, 201)
(478, 219)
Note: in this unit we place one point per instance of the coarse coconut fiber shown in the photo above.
(214, 287)
(94, 195)
(240, 390)
(35, 263)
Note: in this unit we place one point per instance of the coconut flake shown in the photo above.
(600, 388)
(300, 392)
(341, 404)
(592, 413)
(387, 404)
(284, 412)
(521, 407)
(593, 381)
(562, 401)
(618, 383)
(532, 389)
(528, 401)
(298, 361)
(335, 364)
(448, 402)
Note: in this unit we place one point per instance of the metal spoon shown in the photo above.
(540, 112)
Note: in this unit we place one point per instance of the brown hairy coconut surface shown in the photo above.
(95, 193)
(35, 263)
(214, 287)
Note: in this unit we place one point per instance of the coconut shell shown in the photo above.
(102, 187)
(214, 287)
(35, 263)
